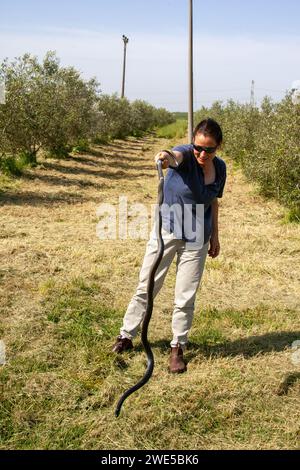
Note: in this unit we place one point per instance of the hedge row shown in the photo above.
(52, 108)
(266, 142)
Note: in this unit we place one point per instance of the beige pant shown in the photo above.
(189, 269)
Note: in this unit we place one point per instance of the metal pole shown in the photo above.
(191, 84)
(125, 39)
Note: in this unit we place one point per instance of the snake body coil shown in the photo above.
(150, 288)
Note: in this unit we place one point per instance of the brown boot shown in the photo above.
(177, 364)
(122, 344)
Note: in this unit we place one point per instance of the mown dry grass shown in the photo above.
(64, 292)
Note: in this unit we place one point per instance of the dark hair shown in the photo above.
(209, 127)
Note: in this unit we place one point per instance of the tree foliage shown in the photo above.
(51, 107)
(47, 106)
(266, 142)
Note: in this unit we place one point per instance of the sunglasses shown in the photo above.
(205, 149)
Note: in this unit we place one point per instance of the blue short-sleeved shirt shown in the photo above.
(185, 185)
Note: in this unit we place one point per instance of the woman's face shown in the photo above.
(203, 157)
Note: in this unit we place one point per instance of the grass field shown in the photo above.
(64, 292)
(176, 130)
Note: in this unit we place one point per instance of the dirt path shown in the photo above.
(48, 230)
(48, 224)
(48, 239)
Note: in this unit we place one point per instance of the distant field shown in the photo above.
(177, 130)
(180, 115)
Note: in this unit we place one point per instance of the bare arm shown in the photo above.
(214, 248)
(215, 216)
(168, 160)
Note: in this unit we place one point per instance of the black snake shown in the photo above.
(150, 287)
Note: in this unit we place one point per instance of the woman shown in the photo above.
(195, 178)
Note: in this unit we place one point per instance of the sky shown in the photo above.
(235, 42)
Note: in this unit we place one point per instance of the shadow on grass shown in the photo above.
(117, 151)
(85, 158)
(130, 144)
(62, 181)
(123, 160)
(246, 347)
(134, 166)
(30, 198)
(100, 173)
(105, 155)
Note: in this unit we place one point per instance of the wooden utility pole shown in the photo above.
(126, 40)
(191, 80)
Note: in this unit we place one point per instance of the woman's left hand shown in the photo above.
(214, 248)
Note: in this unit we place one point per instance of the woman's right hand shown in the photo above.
(165, 159)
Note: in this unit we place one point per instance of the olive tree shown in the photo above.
(19, 127)
(47, 106)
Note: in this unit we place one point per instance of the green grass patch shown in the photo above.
(181, 115)
(176, 130)
(66, 436)
(8, 183)
(79, 313)
(11, 165)
(61, 382)
(292, 216)
(47, 384)
(82, 146)
(228, 318)
(212, 331)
